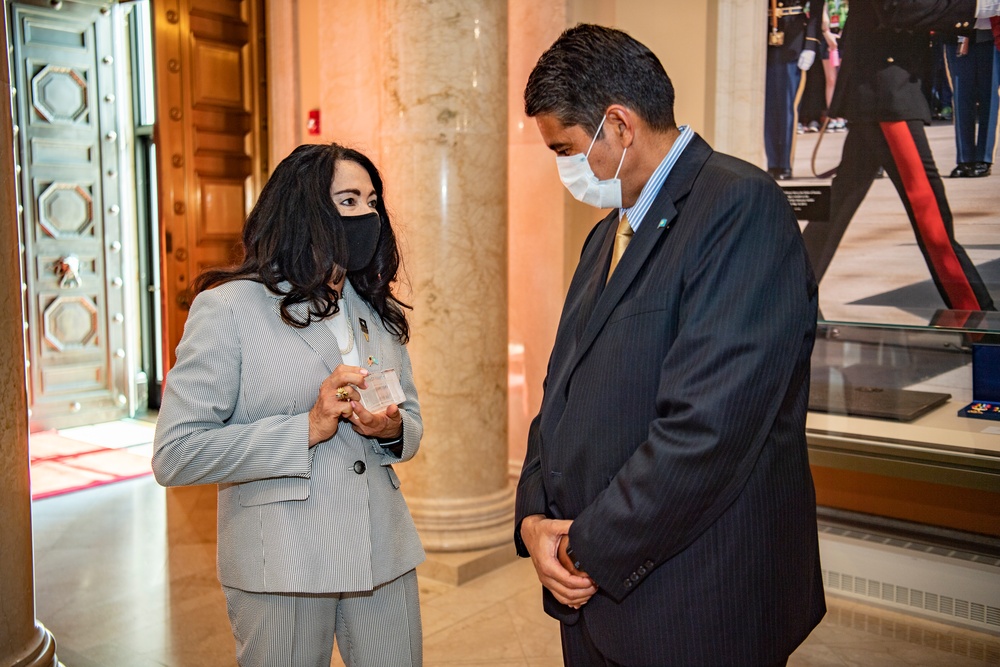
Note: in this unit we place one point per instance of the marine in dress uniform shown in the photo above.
(793, 28)
(878, 91)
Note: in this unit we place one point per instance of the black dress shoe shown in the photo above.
(981, 169)
(780, 174)
(964, 170)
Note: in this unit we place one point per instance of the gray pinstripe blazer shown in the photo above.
(235, 413)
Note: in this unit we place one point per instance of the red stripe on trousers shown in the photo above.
(925, 209)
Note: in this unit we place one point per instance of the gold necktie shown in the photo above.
(622, 237)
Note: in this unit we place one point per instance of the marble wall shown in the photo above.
(538, 256)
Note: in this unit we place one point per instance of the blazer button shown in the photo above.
(641, 570)
(628, 584)
(648, 564)
(359, 467)
(634, 577)
(890, 59)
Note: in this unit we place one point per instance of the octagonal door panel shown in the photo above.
(67, 134)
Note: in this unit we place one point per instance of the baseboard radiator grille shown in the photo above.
(911, 597)
(948, 585)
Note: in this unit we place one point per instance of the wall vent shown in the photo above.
(942, 584)
(910, 597)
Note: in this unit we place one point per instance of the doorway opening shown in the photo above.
(82, 74)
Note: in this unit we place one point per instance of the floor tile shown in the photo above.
(122, 433)
(125, 577)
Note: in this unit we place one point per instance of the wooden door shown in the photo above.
(210, 140)
(67, 136)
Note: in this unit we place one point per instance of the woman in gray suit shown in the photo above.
(315, 540)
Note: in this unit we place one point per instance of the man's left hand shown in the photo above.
(546, 543)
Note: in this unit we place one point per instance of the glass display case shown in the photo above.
(892, 366)
(885, 435)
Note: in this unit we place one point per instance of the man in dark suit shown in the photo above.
(884, 51)
(666, 499)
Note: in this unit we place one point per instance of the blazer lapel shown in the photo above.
(656, 224)
(317, 335)
(584, 290)
(362, 318)
(593, 281)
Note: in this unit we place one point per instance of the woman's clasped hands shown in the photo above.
(339, 400)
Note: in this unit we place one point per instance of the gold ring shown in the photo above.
(344, 394)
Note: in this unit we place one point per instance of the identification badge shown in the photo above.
(383, 390)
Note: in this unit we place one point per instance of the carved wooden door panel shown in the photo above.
(209, 137)
(69, 201)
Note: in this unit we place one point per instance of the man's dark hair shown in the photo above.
(294, 235)
(591, 67)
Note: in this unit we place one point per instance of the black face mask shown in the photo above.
(361, 232)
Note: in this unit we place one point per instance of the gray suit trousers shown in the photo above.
(378, 628)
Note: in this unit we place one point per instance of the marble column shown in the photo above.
(735, 101)
(443, 114)
(23, 641)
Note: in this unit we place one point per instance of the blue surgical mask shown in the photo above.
(581, 181)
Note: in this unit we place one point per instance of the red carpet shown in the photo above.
(71, 459)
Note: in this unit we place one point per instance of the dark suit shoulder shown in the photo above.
(732, 175)
(732, 191)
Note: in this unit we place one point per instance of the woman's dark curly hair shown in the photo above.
(294, 234)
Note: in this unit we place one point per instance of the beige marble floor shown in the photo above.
(125, 578)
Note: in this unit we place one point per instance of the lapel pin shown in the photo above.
(364, 327)
(372, 361)
(663, 223)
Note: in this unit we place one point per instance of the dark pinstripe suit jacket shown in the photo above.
(672, 429)
(235, 413)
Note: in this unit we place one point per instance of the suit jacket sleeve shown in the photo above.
(409, 410)
(530, 490)
(195, 442)
(925, 14)
(745, 310)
